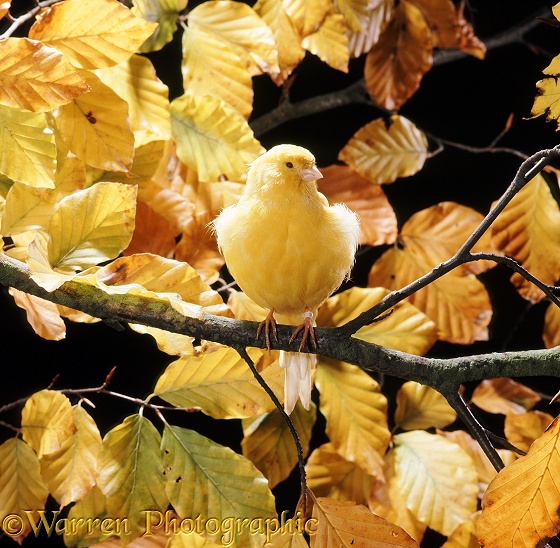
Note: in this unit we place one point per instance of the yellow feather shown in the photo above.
(286, 247)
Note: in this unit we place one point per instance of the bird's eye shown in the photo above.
(289, 165)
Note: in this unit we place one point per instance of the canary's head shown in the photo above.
(286, 165)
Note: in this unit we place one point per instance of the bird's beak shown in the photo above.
(311, 174)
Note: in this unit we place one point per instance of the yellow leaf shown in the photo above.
(28, 153)
(211, 481)
(43, 316)
(163, 12)
(551, 330)
(21, 488)
(5, 8)
(135, 81)
(246, 32)
(351, 525)
(307, 15)
(356, 13)
(96, 128)
(220, 384)
(520, 507)
(212, 138)
(91, 226)
(83, 514)
(268, 442)
(70, 471)
(330, 475)
(396, 64)
(528, 230)
(504, 396)
(378, 222)
(36, 77)
(210, 67)
(382, 154)
(47, 421)
(288, 41)
(406, 329)
(548, 94)
(420, 407)
(190, 540)
(523, 430)
(356, 413)
(329, 42)
(288, 538)
(437, 479)
(98, 34)
(374, 22)
(457, 302)
(464, 536)
(130, 473)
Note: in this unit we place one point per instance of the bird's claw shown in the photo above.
(308, 331)
(268, 323)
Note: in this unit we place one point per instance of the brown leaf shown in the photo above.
(396, 64)
(504, 396)
(378, 221)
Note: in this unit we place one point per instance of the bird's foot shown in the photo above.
(269, 323)
(308, 331)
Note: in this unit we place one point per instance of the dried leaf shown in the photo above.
(378, 222)
(382, 154)
(329, 42)
(523, 430)
(464, 536)
(374, 22)
(307, 15)
(504, 396)
(551, 330)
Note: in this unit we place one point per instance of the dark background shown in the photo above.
(467, 101)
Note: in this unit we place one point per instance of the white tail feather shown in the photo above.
(297, 379)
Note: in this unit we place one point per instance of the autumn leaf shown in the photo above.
(396, 64)
(99, 34)
(21, 488)
(378, 222)
(383, 153)
(36, 77)
(373, 22)
(464, 536)
(356, 13)
(504, 395)
(269, 444)
(306, 15)
(520, 507)
(5, 8)
(551, 329)
(522, 430)
(353, 525)
(329, 42)
(92, 506)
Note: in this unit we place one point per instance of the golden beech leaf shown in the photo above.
(378, 222)
(220, 384)
(351, 525)
(268, 442)
(28, 153)
(287, 538)
(330, 475)
(307, 15)
(464, 536)
(70, 471)
(504, 396)
(484, 468)
(546, 101)
(210, 67)
(520, 507)
(163, 12)
(96, 127)
(437, 478)
(5, 8)
(374, 22)
(239, 24)
(36, 77)
(188, 540)
(356, 13)
(42, 315)
(396, 64)
(406, 329)
(208, 480)
(420, 407)
(130, 472)
(288, 41)
(135, 81)
(47, 421)
(356, 413)
(21, 488)
(457, 302)
(329, 42)
(528, 230)
(382, 154)
(92, 506)
(91, 226)
(98, 34)
(551, 330)
(213, 139)
(523, 430)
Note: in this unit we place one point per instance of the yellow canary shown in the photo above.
(288, 250)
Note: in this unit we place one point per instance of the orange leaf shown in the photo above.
(551, 331)
(378, 221)
(504, 396)
(523, 430)
(396, 64)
